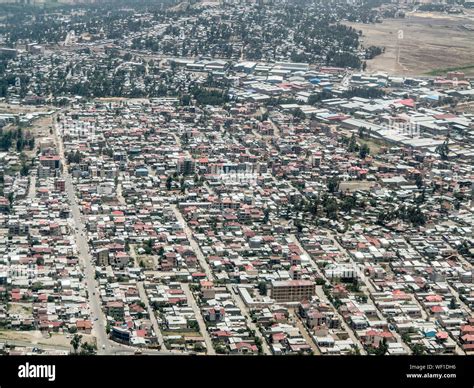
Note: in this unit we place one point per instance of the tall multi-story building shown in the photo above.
(293, 290)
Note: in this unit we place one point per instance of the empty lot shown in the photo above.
(431, 43)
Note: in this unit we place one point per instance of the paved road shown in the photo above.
(243, 308)
(200, 320)
(97, 315)
(156, 327)
(32, 187)
(322, 296)
(125, 350)
(371, 290)
(119, 196)
(305, 333)
(194, 245)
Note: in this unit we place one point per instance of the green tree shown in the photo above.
(169, 182)
(333, 184)
(262, 288)
(88, 349)
(364, 151)
(443, 149)
(76, 342)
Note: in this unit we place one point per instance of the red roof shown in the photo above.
(407, 102)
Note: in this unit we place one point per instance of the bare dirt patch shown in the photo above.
(36, 337)
(351, 186)
(431, 42)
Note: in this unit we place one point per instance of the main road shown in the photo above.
(97, 315)
(104, 345)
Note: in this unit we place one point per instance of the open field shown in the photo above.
(35, 337)
(351, 186)
(20, 308)
(431, 45)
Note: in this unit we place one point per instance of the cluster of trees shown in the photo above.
(73, 157)
(297, 31)
(363, 149)
(18, 138)
(381, 350)
(300, 32)
(412, 214)
(372, 51)
(42, 25)
(86, 347)
(325, 94)
(6, 80)
(417, 348)
(148, 246)
(344, 59)
(363, 93)
(443, 149)
(206, 96)
(174, 179)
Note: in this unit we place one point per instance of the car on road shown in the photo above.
(103, 346)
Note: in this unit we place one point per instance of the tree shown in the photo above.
(452, 303)
(169, 182)
(415, 216)
(36, 286)
(331, 208)
(419, 181)
(298, 114)
(185, 100)
(352, 146)
(24, 169)
(266, 215)
(333, 184)
(348, 203)
(443, 149)
(11, 198)
(76, 342)
(148, 247)
(382, 349)
(364, 151)
(262, 288)
(88, 349)
(198, 347)
(418, 349)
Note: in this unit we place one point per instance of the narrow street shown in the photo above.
(322, 296)
(250, 324)
(369, 290)
(199, 318)
(151, 313)
(32, 187)
(305, 333)
(194, 245)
